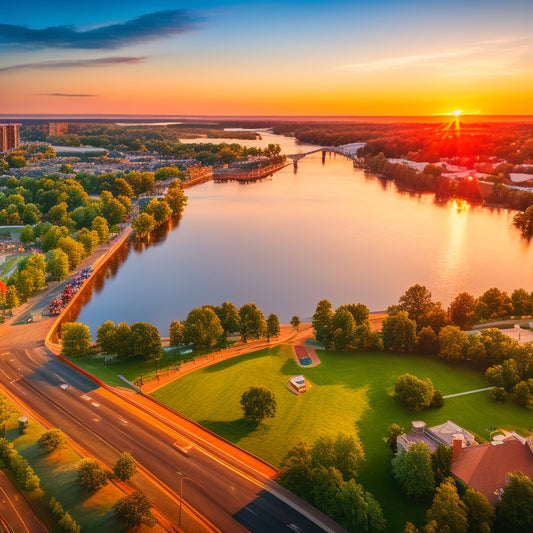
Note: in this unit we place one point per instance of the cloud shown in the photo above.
(149, 27)
(68, 95)
(69, 63)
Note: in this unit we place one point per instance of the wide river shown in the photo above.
(325, 231)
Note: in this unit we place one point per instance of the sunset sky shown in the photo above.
(382, 57)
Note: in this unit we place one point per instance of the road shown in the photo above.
(221, 492)
(16, 515)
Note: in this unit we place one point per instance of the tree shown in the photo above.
(27, 235)
(359, 312)
(51, 440)
(176, 333)
(12, 298)
(480, 513)
(296, 470)
(146, 341)
(414, 393)
(202, 328)
(123, 340)
(521, 299)
(50, 237)
(57, 264)
(176, 198)
(344, 453)
(100, 225)
(273, 327)
(74, 250)
(499, 394)
(399, 332)
(7, 410)
(412, 470)
(453, 343)
(112, 209)
(89, 239)
(144, 224)
(135, 510)
(106, 336)
(343, 325)
(416, 301)
(75, 339)
(159, 209)
(498, 303)
(125, 467)
(323, 323)
(448, 511)
(258, 403)
(516, 509)
(522, 393)
(295, 322)
(427, 341)
(92, 475)
(252, 322)
(228, 315)
(441, 460)
(394, 432)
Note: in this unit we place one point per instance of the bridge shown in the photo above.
(347, 150)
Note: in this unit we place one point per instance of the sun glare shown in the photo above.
(456, 113)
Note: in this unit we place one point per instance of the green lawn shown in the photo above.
(9, 264)
(352, 393)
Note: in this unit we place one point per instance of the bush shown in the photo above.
(414, 393)
(125, 467)
(92, 475)
(258, 403)
(438, 400)
(51, 440)
(499, 394)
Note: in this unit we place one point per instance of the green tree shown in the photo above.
(399, 332)
(394, 432)
(176, 198)
(146, 341)
(123, 341)
(359, 312)
(416, 301)
(31, 214)
(176, 335)
(7, 410)
(296, 470)
(89, 240)
(57, 264)
(159, 209)
(228, 315)
(58, 215)
(412, 470)
(344, 453)
(448, 511)
(75, 339)
(144, 224)
(50, 238)
(323, 323)
(74, 250)
(414, 393)
(273, 327)
(498, 303)
(427, 341)
(112, 209)
(480, 513)
(453, 343)
(92, 475)
(125, 467)
(522, 302)
(202, 328)
(295, 322)
(252, 322)
(134, 510)
(343, 325)
(258, 403)
(52, 440)
(27, 235)
(106, 336)
(522, 393)
(441, 460)
(100, 225)
(12, 298)
(516, 509)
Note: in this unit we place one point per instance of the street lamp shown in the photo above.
(181, 475)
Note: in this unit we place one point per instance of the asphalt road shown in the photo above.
(229, 495)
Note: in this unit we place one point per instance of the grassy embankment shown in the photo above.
(351, 392)
(58, 474)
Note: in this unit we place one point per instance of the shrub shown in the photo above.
(51, 440)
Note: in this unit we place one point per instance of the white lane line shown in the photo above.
(123, 421)
(5, 374)
(85, 397)
(96, 404)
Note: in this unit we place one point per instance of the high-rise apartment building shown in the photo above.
(9, 137)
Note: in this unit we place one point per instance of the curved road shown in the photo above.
(221, 493)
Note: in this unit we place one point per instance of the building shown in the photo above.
(9, 137)
(443, 434)
(486, 467)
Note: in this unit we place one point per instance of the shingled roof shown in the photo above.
(485, 467)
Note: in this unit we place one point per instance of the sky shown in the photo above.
(275, 57)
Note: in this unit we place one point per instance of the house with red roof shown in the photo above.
(486, 467)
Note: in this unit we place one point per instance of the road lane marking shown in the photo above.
(85, 397)
(123, 421)
(96, 404)
(64, 386)
(5, 374)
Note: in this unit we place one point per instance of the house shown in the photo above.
(433, 436)
(486, 467)
(298, 383)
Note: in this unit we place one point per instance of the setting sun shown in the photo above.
(456, 113)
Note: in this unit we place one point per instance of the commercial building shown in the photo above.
(9, 137)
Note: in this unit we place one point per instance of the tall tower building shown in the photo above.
(9, 137)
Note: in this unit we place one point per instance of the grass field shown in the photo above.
(351, 392)
(6, 267)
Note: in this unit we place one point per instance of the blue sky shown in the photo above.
(275, 57)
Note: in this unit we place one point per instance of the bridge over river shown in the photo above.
(347, 150)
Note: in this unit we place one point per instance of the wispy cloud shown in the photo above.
(68, 95)
(149, 27)
(504, 59)
(69, 63)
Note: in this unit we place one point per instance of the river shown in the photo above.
(325, 231)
